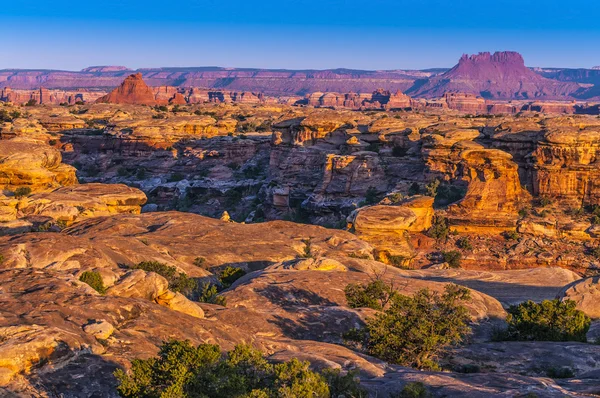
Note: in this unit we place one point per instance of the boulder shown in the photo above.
(586, 294)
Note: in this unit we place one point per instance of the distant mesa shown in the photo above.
(105, 69)
(502, 75)
(133, 90)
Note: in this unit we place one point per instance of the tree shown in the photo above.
(375, 295)
(550, 320)
(182, 370)
(415, 331)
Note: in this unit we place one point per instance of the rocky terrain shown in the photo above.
(299, 201)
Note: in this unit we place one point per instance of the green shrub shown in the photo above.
(511, 235)
(372, 196)
(414, 389)
(209, 293)
(200, 262)
(230, 275)
(432, 188)
(375, 295)
(399, 261)
(175, 177)
(22, 192)
(464, 243)
(178, 281)
(544, 201)
(140, 173)
(560, 373)
(94, 280)
(414, 189)
(184, 371)
(550, 320)
(415, 331)
(452, 257)
(439, 228)
(307, 250)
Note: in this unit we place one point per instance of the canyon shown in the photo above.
(304, 194)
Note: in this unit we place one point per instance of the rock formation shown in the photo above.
(502, 75)
(133, 90)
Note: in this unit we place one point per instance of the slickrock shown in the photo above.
(586, 293)
(78, 202)
(32, 165)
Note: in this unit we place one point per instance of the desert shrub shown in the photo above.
(360, 256)
(511, 235)
(416, 331)
(452, 257)
(550, 320)
(373, 147)
(371, 197)
(595, 252)
(178, 281)
(399, 152)
(439, 228)
(209, 293)
(307, 249)
(94, 280)
(200, 262)
(447, 193)
(31, 102)
(560, 373)
(395, 197)
(230, 275)
(22, 192)
(399, 261)
(414, 389)
(432, 188)
(375, 295)
(414, 189)
(140, 173)
(1, 258)
(175, 177)
(523, 213)
(182, 370)
(464, 243)
(122, 172)
(544, 201)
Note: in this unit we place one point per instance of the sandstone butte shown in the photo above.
(305, 200)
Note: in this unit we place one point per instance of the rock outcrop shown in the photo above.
(502, 75)
(133, 90)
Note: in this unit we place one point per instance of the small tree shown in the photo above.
(182, 370)
(375, 295)
(439, 228)
(452, 257)
(230, 275)
(415, 331)
(210, 294)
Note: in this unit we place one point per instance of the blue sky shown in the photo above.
(294, 34)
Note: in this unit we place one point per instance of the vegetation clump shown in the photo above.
(452, 257)
(439, 228)
(229, 275)
(550, 320)
(375, 295)
(182, 370)
(178, 281)
(94, 280)
(22, 192)
(209, 293)
(416, 331)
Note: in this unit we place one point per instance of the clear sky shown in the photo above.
(294, 34)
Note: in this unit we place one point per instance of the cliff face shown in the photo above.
(502, 75)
